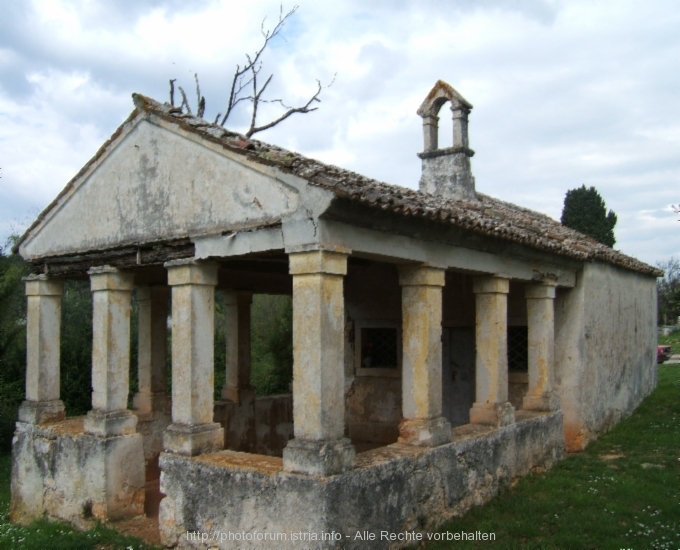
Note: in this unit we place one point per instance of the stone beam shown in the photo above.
(390, 247)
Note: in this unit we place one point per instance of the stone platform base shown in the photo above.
(60, 472)
(249, 501)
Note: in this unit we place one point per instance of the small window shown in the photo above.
(518, 349)
(377, 348)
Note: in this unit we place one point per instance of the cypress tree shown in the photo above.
(584, 210)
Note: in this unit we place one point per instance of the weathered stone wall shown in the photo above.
(605, 342)
(263, 425)
(396, 488)
(59, 472)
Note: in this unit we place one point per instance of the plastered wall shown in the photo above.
(605, 341)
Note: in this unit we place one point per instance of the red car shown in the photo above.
(663, 353)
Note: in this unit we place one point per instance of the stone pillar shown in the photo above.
(460, 126)
(421, 306)
(152, 370)
(43, 339)
(541, 328)
(431, 132)
(237, 321)
(192, 430)
(111, 293)
(319, 447)
(491, 404)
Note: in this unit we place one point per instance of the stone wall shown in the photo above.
(59, 472)
(605, 349)
(396, 488)
(261, 425)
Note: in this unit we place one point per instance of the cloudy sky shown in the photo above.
(565, 93)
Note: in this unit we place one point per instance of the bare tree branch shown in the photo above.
(172, 91)
(303, 109)
(252, 62)
(184, 100)
(246, 78)
(200, 100)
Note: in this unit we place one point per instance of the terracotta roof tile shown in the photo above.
(487, 216)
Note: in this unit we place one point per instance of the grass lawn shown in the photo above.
(622, 492)
(672, 340)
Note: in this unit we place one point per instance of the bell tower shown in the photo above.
(446, 171)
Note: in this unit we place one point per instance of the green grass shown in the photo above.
(42, 535)
(591, 499)
(672, 340)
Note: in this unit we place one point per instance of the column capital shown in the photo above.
(42, 285)
(318, 261)
(421, 275)
(491, 285)
(191, 272)
(540, 290)
(110, 278)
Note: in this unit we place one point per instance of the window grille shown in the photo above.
(518, 349)
(379, 348)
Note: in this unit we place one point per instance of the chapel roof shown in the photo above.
(486, 216)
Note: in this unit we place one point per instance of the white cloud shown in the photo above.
(565, 93)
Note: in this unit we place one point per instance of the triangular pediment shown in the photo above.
(157, 184)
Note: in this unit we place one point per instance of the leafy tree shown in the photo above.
(584, 210)
(668, 291)
(12, 340)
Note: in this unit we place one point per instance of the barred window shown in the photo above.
(518, 349)
(379, 348)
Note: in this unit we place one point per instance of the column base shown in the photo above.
(109, 423)
(42, 412)
(425, 433)
(183, 439)
(547, 401)
(151, 402)
(318, 458)
(492, 414)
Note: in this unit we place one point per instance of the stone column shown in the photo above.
(111, 293)
(152, 370)
(431, 132)
(237, 323)
(421, 306)
(491, 404)
(192, 430)
(541, 328)
(319, 447)
(43, 339)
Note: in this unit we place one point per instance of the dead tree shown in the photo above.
(246, 86)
